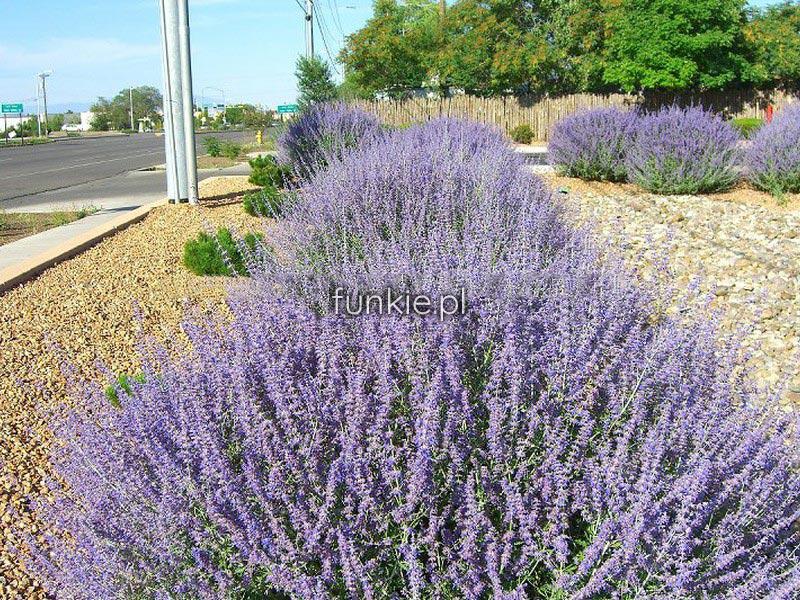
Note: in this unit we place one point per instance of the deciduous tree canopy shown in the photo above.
(115, 113)
(552, 46)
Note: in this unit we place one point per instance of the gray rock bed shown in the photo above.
(744, 257)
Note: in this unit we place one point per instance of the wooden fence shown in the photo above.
(542, 112)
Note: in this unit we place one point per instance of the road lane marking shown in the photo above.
(90, 164)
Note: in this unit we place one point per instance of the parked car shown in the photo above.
(71, 127)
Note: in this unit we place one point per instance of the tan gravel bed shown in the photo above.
(740, 251)
(86, 307)
(217, 187)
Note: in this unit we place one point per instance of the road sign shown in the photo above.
(11, 108)
(284, 109)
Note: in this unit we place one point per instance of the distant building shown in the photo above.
(86, 120)
(12, 121)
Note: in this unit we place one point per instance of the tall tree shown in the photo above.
(115, 113)
(675, 44)
(394, 51)
(314, 82)
(774, 37)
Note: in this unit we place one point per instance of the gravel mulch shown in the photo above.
(86, 307)
(739, 248)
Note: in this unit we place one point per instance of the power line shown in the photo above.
(322, 29)
(337, 20)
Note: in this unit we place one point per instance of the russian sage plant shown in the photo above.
(593, 144)
(773, 158)
(570, 451)
(684, 151)
(324, 133)
(565, 444)
(431, 209)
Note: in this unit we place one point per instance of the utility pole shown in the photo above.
(44, 75)
(130, 97)
(309, 28)
(38, 110)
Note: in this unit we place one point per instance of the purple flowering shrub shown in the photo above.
(773, 158)
(324, 133)
(327, 457)
(565, 444)
(593, 144)
(429, 210)
(683, 151)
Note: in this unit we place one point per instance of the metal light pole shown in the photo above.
(309, 28)
(130, 97)
(174, 139)
(188, 100)
(44, 75)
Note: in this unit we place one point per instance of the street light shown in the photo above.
(44, 75)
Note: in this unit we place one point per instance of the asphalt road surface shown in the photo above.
(30, 170)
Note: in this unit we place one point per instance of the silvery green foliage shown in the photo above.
(773, 158)
(593, 144)
(684, 151)
(324, 133)
(559, 444)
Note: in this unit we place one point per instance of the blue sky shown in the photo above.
(96, 48)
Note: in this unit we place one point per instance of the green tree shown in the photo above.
(395, 50)
(502, 46)
(314, 82)
(115, 113)
(675, 44)
(774, 37)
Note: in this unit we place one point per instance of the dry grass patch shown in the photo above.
(15, 226)
(215, 162)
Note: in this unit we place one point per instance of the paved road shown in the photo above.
(41, 168)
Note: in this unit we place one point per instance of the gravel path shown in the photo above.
(744, 255)
(86, 306)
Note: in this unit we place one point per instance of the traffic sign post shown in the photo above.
(287, 109)
(10, 109)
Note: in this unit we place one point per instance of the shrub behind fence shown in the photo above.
(541, 113)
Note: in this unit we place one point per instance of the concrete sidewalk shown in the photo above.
(114, 196)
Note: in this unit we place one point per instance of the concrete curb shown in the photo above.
(20, 273)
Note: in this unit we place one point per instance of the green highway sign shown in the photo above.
(288, 108)
(11, 108)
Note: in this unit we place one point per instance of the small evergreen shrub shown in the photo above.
(265, 171)
(747, 126)
(522, 134)
(593, 144)
(230, 150)
(218, 254)
(213, 146)
(773, 159)
(263, 203)
(684, 151)
(323, 133)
